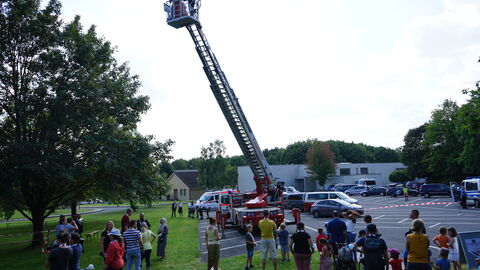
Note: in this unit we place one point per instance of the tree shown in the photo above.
(443, 144)
(215, 170)
(66, 105)
(399, 176)
(320, 162)
(295, 153)
(180, 164)
(468, 131)
(414, 151)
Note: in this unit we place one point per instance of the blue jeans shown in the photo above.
(134, 257)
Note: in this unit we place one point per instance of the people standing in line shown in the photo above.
(283, 239)
(337, 230)
(141, 220)
(77, 250)
(79, 222)
(405, 193)
(442, 239)
(200, 209)
(105, 238)
(250, 245)
(442, 262)
(267, 227)
(212, 241)
(326, 252)
(147, 239)
(417, 247)
(374, 249)
(115, 251)
(162, 238)
(126, 220)
(197, 210)
(301, 246)
(174, 209)
(207, 210)
(133, 246)
(395, 260)
(180, 209)
(463, 198)
(454, 249)
(59, 257)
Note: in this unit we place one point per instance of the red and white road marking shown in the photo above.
(409, 204)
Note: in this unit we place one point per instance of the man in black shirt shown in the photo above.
(301, 247)
(59, 257)
(141, 220)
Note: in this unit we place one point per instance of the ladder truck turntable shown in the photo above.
(239, 209)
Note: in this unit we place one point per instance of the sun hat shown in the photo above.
(115, 232)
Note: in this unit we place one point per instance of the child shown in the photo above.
(361, 235)
(442, 262)
(283, 237)
(453, 248)
(442, 239)
(250, 244)
(395, 260)
(325, 262)
(320, 235)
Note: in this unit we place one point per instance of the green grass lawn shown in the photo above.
(182, 247)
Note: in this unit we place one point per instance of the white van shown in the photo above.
(472, 187)
(366, 182)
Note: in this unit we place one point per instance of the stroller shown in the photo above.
(345, 259)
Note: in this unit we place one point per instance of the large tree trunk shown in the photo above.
(73, 208)
(37, 225)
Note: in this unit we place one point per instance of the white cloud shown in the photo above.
(298, 68)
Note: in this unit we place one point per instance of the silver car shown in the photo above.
(356, 190)
(326, 208)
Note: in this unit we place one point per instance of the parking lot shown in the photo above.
(391, 215)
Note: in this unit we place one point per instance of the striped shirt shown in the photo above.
(132, 239)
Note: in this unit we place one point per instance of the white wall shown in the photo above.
(288, 174)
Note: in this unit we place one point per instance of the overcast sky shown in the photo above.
(362, 71)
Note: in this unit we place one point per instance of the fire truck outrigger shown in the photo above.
(244, 208)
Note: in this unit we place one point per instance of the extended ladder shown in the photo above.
(232, 111)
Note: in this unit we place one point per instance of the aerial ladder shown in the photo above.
(184, 13)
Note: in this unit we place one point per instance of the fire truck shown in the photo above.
(238, 209)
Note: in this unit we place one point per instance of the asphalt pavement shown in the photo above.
(391, 215)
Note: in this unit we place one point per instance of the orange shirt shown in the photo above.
(442, 240)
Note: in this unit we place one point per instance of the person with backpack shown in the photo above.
(374, 249)
(337, 230)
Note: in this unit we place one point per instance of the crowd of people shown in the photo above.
(194, 211)
(130, 246)
(338, 243)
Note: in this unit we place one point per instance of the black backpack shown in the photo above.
(373, 252)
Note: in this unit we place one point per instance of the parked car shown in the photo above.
(331, 187)
(326, 207)
(374, 191)
(293, 200)
(398, 191)
(291, 189)
(428, 190)
(356, 190)
(472, 187)
(311, 197)
(342, 187)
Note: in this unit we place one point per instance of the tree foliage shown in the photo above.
(447, 148)
(215, 170)
(399, 176)
(68, 115)
(320, 162)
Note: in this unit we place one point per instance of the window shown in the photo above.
(345, 171)
(363, 170)
(471, 186)
(184, 192)
(333, 196)
(321, 196)
(225, 200)
(295, 197)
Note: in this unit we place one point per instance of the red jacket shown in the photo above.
(115, 253)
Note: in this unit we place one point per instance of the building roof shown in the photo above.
(188, 177)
